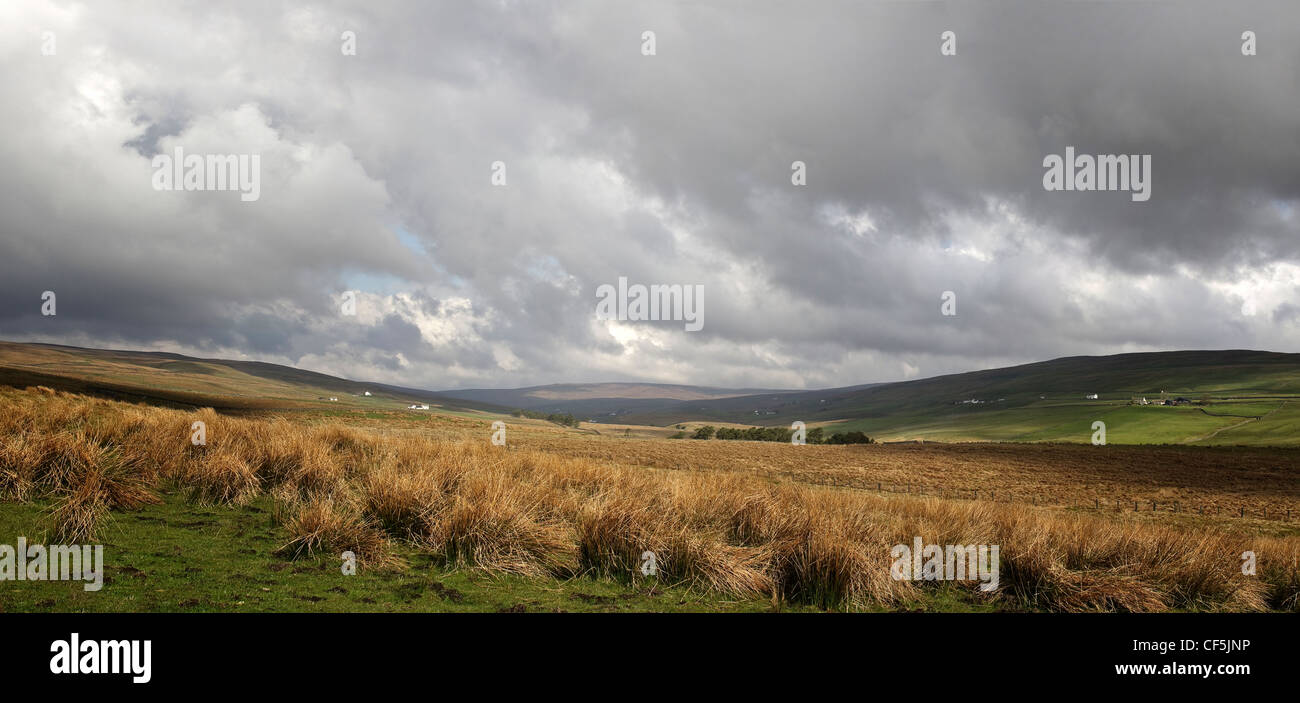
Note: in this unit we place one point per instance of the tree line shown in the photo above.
(558, 418)
(816, 435)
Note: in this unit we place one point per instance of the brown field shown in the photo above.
(1213, 482)
(1209, 484)
(738, 518)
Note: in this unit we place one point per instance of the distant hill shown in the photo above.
(1216, 397)
(607, 402)
(1047, 401)
(178, 380)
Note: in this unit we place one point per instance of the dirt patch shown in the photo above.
(447, 592)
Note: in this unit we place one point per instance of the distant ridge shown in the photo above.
(1220, 397)
(1223, 397)
(177, 380)
(606, 401)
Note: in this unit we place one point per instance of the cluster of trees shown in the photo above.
(705, 432)
(848, 438)
(558, 418)
(764, 434)
(778, 434)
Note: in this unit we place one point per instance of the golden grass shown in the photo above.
(1217, 481)
(333, 527)
(537, 513)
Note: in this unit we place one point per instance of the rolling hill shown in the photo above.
(175, 380)
(1229, 397)
(1252, 397)
(600, 402)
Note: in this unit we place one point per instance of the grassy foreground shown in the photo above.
(221, 524)
(178, 557)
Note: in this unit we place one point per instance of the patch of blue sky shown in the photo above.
(547, 268)
(389, 284)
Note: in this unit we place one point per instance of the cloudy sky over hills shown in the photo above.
(924, 175)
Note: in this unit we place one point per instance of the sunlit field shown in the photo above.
(732, 524)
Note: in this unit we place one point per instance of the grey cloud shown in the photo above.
(666, 169)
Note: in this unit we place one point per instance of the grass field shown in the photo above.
(177, 557)
(1045, 401)
(560, 518)
(1223, 423)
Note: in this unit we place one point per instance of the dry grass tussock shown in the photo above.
(538, 514)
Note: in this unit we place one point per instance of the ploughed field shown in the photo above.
(730, 521)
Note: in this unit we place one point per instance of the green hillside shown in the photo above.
(1235, 397)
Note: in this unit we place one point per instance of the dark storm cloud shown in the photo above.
(924, 176)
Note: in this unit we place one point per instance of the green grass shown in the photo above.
(1125, 424)
(1281, 428)
(178, 557)
(1136, 425)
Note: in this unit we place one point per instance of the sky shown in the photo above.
(379, 129)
